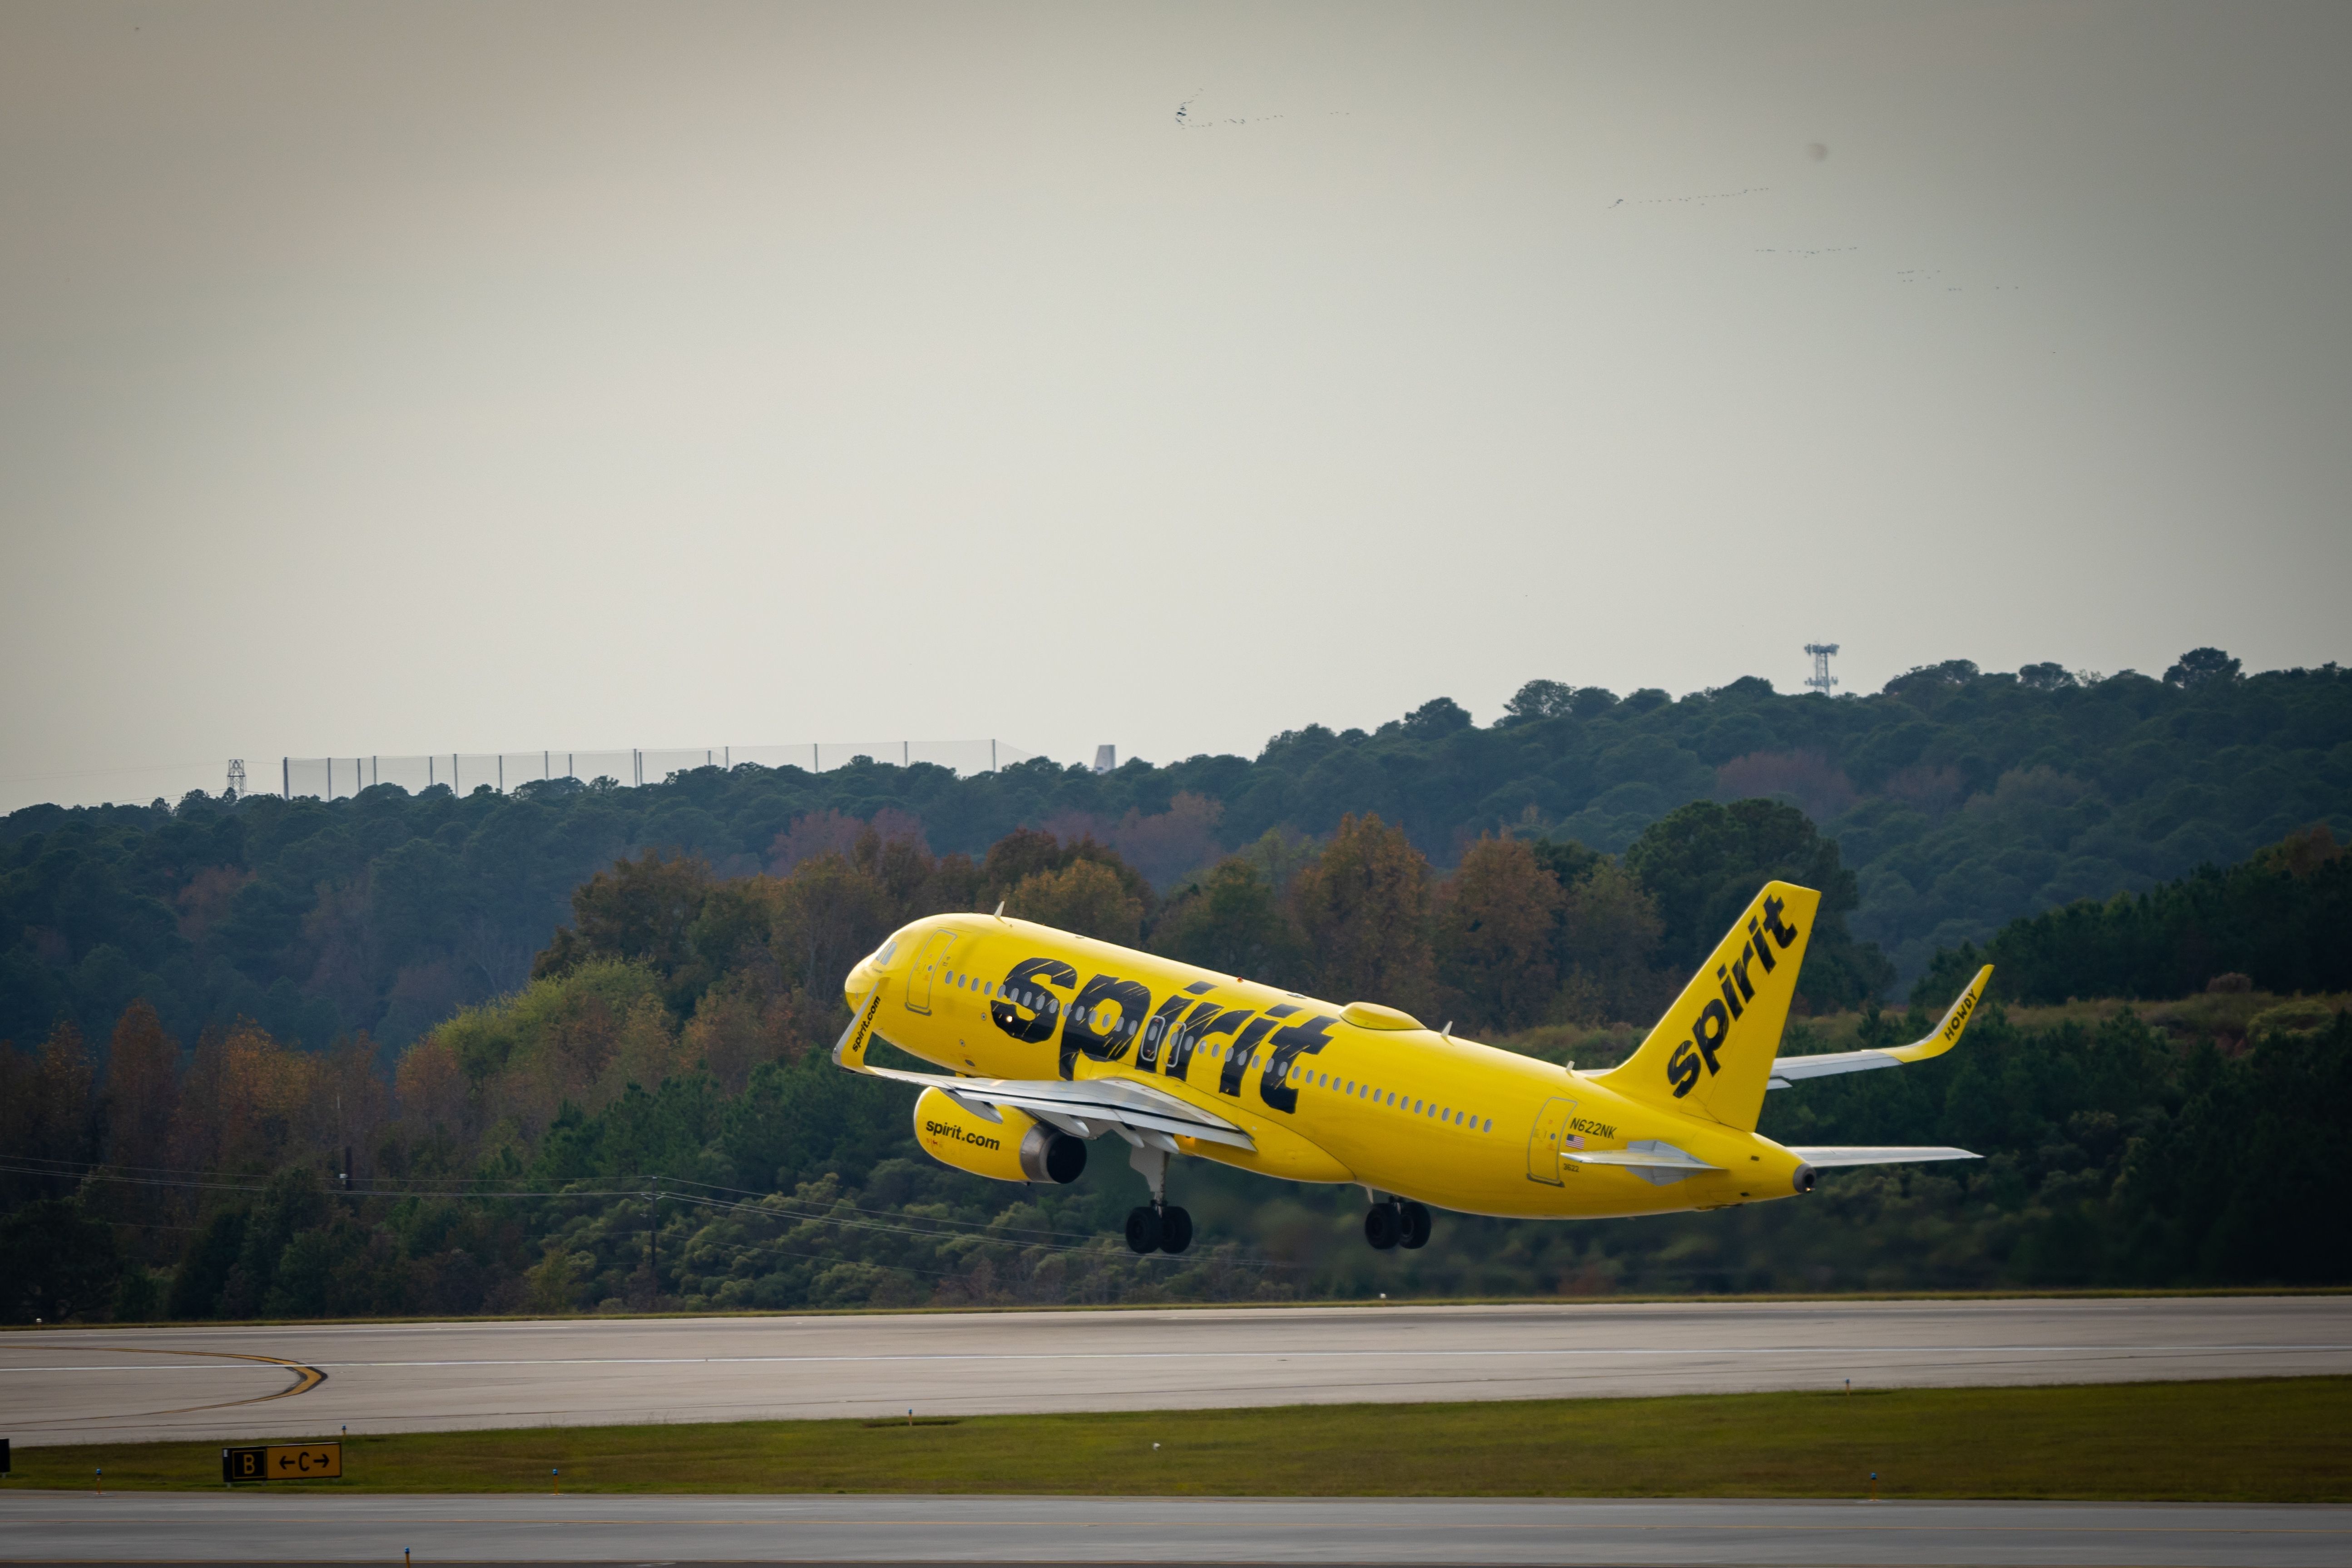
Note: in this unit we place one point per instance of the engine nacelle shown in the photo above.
(1013, 1147)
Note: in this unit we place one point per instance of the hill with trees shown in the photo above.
(2276, 922)
(1957, 799)
(651, 1120)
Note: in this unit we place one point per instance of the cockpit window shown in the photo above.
(882, 954)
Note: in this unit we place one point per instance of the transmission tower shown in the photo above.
(235, 778)
(1823, 681)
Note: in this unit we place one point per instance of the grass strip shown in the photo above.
(2248, 1440)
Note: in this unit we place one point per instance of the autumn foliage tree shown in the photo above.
(1496, 936)
(1234, 920)
(1364, 906)
(143, 1089)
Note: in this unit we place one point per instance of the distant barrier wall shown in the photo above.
(332, 778)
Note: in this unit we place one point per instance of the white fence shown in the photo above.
(331, 778)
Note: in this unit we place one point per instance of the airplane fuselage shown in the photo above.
(1326, 1092)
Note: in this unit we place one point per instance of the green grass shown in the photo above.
(2255, 1440)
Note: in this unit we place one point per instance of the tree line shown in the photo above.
(2274, 923)
(1960, 799)
(650, 1120)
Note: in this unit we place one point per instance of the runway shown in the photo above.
(247, 1527)
(80, 1386)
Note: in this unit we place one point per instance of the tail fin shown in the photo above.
(1712, 1053)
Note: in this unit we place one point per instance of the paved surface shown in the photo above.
(261, 1527)
(77, 1385)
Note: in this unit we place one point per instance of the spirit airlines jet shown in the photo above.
(1053, 1040)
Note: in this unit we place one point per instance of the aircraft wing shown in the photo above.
(1084, 1108)
(1787, 1070)
(1862, 1155)
(1089, 1107)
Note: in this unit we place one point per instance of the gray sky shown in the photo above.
(396, 378)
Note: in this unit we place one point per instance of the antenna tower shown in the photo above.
(235, 778)
(1823, 681)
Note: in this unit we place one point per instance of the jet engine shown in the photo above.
(996, 1142)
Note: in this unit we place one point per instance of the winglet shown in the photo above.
(1948, 1033)
(849, 1051)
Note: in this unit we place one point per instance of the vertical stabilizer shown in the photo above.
(1712, 1053)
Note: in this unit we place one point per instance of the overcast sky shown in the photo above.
(412, 377)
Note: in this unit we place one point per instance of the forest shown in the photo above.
(649, 1120)
(1959, 799)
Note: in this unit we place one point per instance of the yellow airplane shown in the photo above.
(1053, 1040)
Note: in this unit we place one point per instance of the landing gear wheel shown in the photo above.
(1381, 1226)
(1175, 1230)
(1414, 1221)
(1143, 1230)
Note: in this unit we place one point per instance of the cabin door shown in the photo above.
(927, 967)
(1543, 1143)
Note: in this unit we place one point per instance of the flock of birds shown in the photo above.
(1688, 201)
(1188, 121)
(1817, 152)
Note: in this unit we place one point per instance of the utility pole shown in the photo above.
(235, 778)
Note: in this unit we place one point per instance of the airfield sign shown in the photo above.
(283, 1462)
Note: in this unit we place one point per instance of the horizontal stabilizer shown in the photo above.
(1822, 1158)
(1787, 1070)
(1642, 1157)
(1659, 1163)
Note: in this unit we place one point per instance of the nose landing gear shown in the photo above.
(1392, 1223)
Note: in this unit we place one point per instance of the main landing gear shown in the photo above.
(1156, 1227)
(1393, 1221)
